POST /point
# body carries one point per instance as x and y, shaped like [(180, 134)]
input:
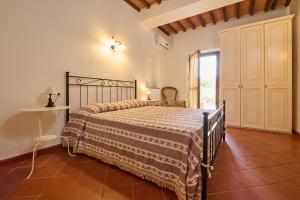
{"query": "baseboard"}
[(295, 132), (258, 129), (25, 155)]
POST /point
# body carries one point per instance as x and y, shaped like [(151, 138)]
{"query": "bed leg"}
[(224, 118), (205, 156)]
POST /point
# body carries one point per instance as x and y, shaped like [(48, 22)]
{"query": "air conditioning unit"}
[(161, 41)]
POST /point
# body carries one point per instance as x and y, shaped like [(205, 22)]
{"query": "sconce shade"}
[(115, 45)]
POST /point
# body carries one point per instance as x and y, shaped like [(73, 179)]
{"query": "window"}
[(209, 83)]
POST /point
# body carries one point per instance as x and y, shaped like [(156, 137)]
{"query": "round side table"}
[(47, 137)]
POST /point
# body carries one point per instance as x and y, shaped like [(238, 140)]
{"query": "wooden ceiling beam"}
[(251, 7), (274, 4), (224, 14), (201, 20), (181, 26), (145, 3), (158, 1), (237, 10), (267, 5), (189, 21), (172, 28), (288, 3), (132, 5), (163, 30), (212, 17)]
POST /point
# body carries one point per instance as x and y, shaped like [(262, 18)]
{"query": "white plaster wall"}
[(41, 39)]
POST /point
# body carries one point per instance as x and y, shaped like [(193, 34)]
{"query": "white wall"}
[(176, 71), (295, 8), (41, 39)]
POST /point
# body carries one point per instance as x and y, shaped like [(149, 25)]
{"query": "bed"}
[(171, 146)]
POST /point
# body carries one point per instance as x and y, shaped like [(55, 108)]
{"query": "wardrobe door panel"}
[(230, 75), (252, 77), (232, 97), (277, 107), (278, 76)]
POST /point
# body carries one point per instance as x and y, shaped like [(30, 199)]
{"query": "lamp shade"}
[(51, 90)]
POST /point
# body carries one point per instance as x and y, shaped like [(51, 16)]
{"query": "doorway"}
[(209, 80)]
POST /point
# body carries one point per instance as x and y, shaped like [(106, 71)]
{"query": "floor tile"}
[(247, 178), (53, 197), (86, 194), (291, 189), (30, 188), (169, 195), (61, 184), (25, 198), (45, 172), (285, 172), (136, 179), (17, 174), (147, 191), (71, 168), (123, 192), (8, 188), (269, 192), (38, 161), (88, 181), (266, 175), (226, 182), (95, 166), (118, 177)]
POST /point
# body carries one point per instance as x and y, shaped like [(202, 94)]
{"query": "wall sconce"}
[(115, 45)]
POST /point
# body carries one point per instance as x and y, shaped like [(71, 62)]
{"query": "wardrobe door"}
[(230, 75), (278, 76), (252, 77)]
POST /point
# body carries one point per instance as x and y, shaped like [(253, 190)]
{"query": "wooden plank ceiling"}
[(138, 5), (214, 16)]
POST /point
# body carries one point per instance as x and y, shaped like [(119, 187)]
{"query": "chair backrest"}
[(169, 94)]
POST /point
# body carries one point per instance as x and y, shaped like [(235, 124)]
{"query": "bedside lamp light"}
[(51, 92), (148, 92)]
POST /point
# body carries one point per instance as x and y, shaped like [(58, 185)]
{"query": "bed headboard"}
[(97, 90)]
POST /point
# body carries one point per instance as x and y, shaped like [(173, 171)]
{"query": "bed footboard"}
[(213, 134)]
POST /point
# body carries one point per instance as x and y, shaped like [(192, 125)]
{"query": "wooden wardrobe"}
[(256, 74)]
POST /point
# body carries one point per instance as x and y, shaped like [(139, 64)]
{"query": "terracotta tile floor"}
[(251, 165)]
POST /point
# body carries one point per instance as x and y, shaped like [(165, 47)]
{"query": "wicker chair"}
[(169, 95)]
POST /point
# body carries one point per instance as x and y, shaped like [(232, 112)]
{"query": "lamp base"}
[(50, 102)]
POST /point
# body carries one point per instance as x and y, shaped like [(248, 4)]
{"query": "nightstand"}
[(47, 137), (154, 102)]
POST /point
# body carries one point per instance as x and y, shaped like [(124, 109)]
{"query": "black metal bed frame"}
[(122, 89), (213, 124)]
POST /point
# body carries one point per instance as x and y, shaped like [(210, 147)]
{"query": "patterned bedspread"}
[(160, 144)]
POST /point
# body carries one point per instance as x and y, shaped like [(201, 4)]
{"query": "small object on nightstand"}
[(51, 92), (153, 102), (148, 92), (49, 137)]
